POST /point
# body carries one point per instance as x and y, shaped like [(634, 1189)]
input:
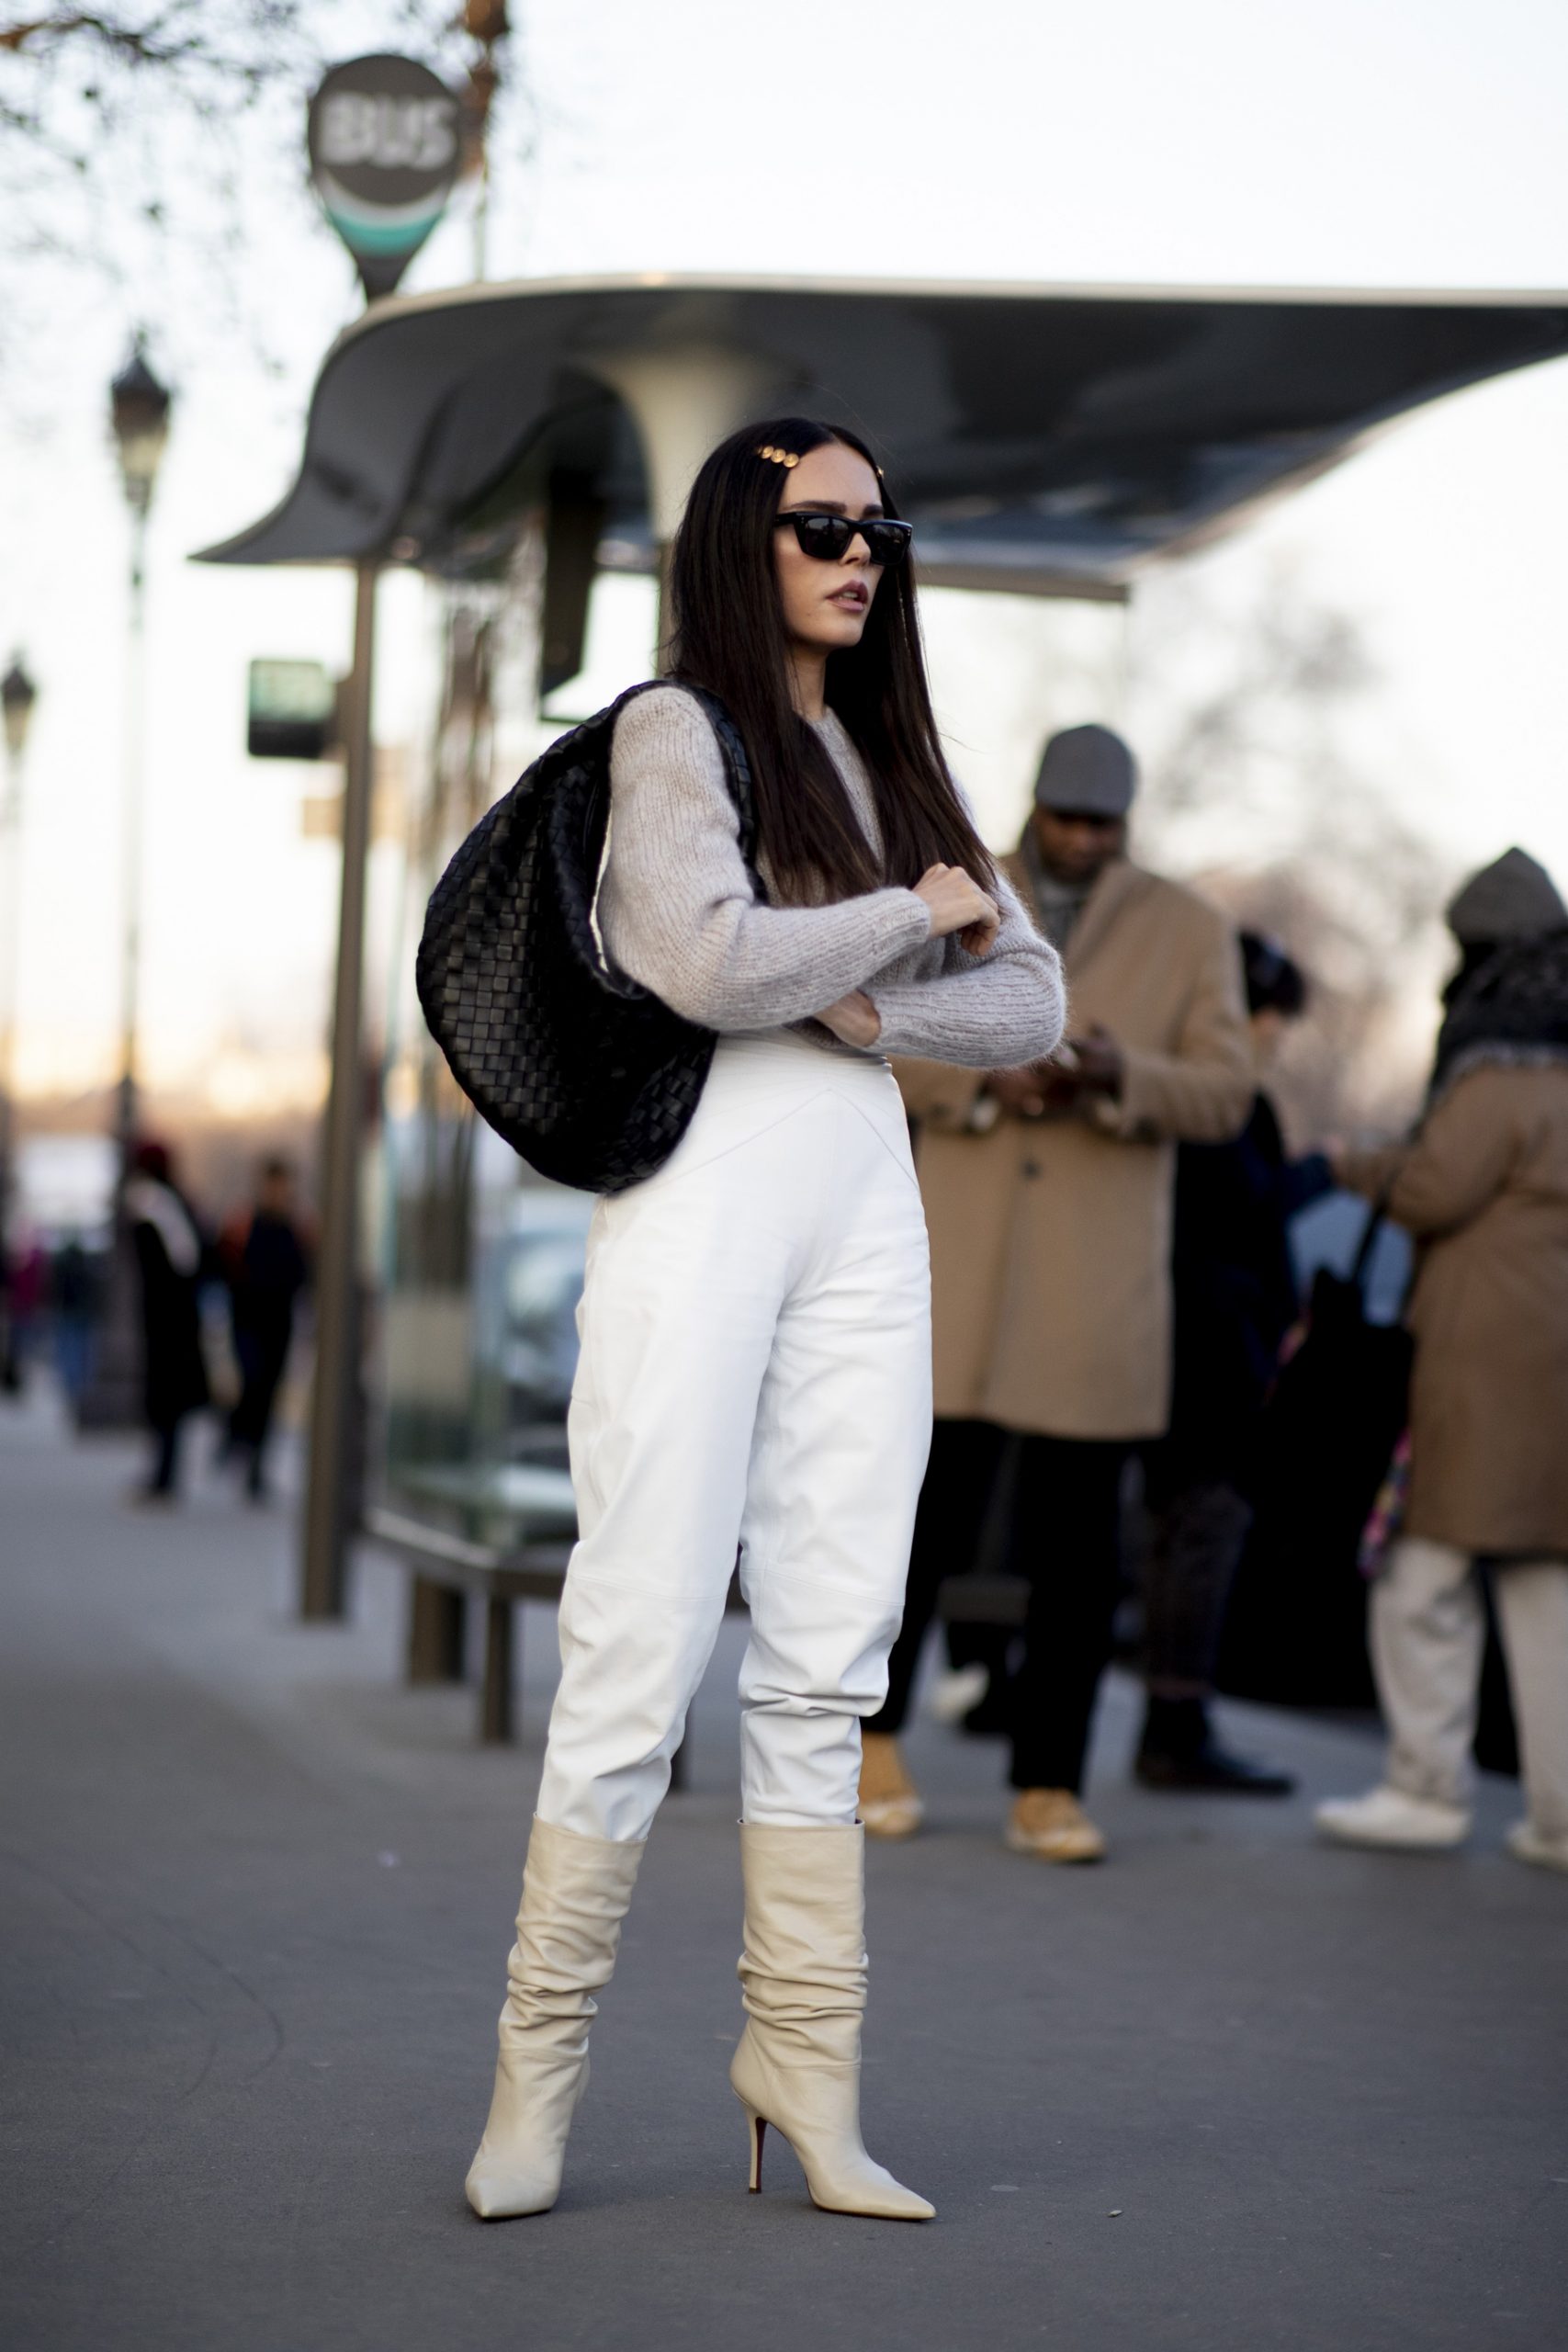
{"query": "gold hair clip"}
[(778, 456)]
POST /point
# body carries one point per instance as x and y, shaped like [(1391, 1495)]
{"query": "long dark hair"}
[(728, 636)]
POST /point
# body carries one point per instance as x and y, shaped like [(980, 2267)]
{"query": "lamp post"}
[(17, 696), (331, 1479), (139, 416), (138, 411), (484, 21)]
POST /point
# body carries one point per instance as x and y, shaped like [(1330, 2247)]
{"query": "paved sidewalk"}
[(1231, 2093)]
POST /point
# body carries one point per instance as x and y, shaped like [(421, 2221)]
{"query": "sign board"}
[(291, 711), (385, 148)]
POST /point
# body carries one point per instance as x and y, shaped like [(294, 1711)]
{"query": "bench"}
[(447, 1570)]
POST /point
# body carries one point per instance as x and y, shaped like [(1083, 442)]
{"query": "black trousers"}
[(164, 1477), (960, 1476), (1066, 1542), (261, 1348), (1199, 1525)]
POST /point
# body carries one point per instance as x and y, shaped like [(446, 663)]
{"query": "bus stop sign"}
[(385, 148)]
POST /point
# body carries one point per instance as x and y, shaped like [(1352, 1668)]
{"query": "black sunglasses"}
[(826, 536)]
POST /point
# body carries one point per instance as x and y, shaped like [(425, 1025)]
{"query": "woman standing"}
[(755, 1371), (1484, 1188), (172, 1261)]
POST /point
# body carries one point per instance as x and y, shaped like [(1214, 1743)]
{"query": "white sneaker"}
[(953, 1693), (1387, 1817), (1529, 1844)]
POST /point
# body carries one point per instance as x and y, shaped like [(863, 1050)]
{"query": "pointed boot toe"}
[(873, 2192), (898, 2203), (497, 2195), (518, 2165)]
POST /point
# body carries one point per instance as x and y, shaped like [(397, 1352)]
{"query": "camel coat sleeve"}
[(1199, 1089), (1447, 1176), (1050, 1238), (1484, 1188)]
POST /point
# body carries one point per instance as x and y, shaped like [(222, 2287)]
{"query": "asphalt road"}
[(1230, 2093)]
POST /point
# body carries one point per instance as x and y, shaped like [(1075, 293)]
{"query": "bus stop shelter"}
[(1053, 440)]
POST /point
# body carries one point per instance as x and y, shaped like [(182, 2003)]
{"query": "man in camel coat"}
[(1048, 1193)]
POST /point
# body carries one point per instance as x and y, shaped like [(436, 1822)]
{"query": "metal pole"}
[(10, 966), (135, 804), (112, 1398), (331, 1496), (481, 214)]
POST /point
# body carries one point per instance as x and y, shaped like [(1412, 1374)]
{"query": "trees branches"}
[(140, 134), (86, 63), (1267, 784)]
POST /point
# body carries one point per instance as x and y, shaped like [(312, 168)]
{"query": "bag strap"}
[(732, 751), (1376, 1217), (737, 775)]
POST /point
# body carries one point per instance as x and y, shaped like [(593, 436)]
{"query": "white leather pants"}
[(755, 1374)]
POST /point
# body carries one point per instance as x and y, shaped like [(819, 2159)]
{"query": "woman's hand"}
[(957, 904), (854, 1020), (1019, 1092)]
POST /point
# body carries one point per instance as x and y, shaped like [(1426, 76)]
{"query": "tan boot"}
[(575, 1893), (803, 1972), (1052, 1825), (889, 1801)]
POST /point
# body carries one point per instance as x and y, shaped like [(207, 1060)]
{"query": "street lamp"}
[(139, 416), (17, 696), (139, 412)]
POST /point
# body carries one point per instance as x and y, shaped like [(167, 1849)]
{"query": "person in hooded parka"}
[(1484, 1188)]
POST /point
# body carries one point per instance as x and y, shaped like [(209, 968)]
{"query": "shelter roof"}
[(1052, 439)]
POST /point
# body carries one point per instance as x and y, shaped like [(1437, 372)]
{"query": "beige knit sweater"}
[(677, 912)]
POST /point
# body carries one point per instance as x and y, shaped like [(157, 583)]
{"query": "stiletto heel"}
[(756, 2126)]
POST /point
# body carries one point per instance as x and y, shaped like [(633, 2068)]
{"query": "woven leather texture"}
[(590, 1077)]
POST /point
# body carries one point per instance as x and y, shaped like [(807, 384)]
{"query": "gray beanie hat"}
[(1088, 772), (1512, 898)]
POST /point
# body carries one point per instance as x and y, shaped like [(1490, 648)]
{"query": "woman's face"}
[(825, 604)]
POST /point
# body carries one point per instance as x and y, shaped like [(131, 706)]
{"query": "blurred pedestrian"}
[(1483, 1189), (265, 1257), (1236, 1299), (74, 1297), (10, 1354), (1048, 1195), (171, 1259), (28, 1279)]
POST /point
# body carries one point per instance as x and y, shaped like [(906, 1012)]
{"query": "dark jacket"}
[(266, 1266), (1235, 1286), (174, 1372)]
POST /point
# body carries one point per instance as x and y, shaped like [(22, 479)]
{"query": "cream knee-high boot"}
[(803, 1974), (575, 1894)]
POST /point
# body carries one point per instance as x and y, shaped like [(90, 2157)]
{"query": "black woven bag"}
[(591, 1078)]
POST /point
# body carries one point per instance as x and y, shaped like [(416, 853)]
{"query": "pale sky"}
[(1232, 141)]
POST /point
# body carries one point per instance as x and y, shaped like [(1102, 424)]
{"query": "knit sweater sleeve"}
[(984, 1011), (677, 908)]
